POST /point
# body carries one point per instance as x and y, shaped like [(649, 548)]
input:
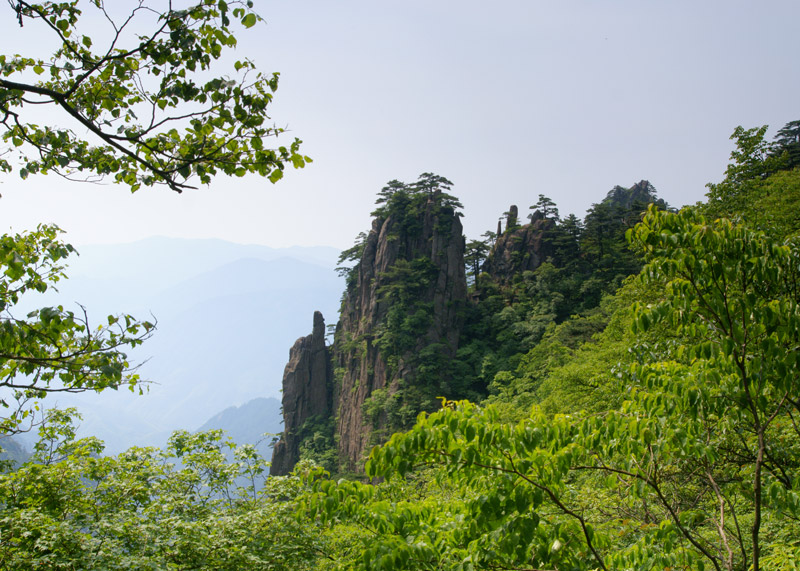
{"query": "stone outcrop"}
[(361, 365), (642, 193), (520, 248), (306, 393), (421, 249), (402, 315)]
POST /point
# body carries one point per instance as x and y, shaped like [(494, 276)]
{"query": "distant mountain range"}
[(255, 422), (227, 316)]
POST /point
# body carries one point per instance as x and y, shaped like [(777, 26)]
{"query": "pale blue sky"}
[(507, 99)]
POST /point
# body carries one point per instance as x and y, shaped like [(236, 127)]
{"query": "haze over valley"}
[(226, 313)]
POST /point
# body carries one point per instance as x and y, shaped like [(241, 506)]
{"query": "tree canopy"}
[(761, 180), (201, 503), (142, 82), (696, 469)]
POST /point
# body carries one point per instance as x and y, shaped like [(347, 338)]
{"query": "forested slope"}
[(411, 331), (657, 428), (632, 405)]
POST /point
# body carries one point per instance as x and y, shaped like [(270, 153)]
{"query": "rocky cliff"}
[(398, 330), (405, 313), (307, 393), (520, 248), (635, 197), (403, 305)]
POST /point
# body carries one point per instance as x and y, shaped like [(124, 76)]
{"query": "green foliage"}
[(150, 509), (511, 321), (603, 242), (759, 182), (52, 349), (545, 207), (776, 209), (697, 468), (475, 252), (408, 317), (352, 256), (318, 443), (386, 412), (574, 366), (787, 144), (407, 202), (581, 263), (745, 170), (571, 367), (155, 111), (734, 293), (566, 241)]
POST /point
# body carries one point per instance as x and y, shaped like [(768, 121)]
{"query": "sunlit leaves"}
[(697, 469), (734, 293), (187, 506), (152, 121)]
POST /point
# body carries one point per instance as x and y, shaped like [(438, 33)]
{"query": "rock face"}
[(641, 193), (306, 393), (520, 248), (362, 367), (399, 327)]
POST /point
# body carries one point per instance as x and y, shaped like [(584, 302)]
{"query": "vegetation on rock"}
[(617, 392), (657, 430)]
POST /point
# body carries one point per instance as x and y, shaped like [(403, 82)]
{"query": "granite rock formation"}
[(404, 303), (361, 365), (520, 248), (306, 394), (636, 197)]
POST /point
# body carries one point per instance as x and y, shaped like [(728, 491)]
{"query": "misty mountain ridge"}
[(226, 316), (251, 423)]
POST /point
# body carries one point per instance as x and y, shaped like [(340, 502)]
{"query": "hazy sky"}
[(507, 99)]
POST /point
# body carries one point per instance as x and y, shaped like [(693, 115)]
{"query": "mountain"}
[(401, 319), (252, 423), (160, 259), (13, 451), (225, 314), (410, 332)]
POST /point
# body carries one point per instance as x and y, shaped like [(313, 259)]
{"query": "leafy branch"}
[(220, 124)]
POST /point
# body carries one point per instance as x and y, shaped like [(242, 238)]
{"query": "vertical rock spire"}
[(306, 393)]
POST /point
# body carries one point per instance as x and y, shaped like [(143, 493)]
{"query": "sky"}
[(507, 99)]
